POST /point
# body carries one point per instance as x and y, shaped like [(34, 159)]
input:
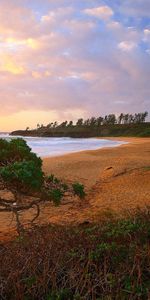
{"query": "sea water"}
[(47, 146)]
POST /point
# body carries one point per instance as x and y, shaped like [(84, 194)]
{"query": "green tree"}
[(70, 124), (38, 126), (63, 124), (20, 169), (121, 118), (110, 119), (22, 176), (79, 122), (99, 121), (93, 122)]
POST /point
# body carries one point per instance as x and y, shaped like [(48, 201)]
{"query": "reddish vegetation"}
[(109, 260)]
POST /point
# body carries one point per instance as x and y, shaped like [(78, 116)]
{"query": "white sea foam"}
[(58, 146)]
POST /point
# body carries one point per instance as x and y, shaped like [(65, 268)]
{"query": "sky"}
[(66, 59)]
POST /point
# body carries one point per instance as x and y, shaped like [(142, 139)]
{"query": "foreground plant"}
[(107, 260), (78, 189), (23, 176), (21, 173)]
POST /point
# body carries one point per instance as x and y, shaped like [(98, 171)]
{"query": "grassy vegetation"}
[(110, 125), (112, 130), (78, 189), (109, 260)]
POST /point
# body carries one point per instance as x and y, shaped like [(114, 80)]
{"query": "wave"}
[(58, 146)]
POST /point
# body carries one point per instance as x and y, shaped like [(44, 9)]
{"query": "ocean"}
[(44, 147)]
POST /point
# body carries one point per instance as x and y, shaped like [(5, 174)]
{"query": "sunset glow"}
[(69, 59)]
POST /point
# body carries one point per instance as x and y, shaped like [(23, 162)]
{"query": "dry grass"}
[(109, 260)]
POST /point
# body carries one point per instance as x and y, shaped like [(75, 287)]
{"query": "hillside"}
[(137, 130)]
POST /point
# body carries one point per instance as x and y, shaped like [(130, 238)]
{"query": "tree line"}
[(110, 119)]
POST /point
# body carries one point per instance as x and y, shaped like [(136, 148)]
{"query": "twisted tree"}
[(21, 173)]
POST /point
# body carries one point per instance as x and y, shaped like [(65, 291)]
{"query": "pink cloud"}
[(102, 12), (66, 60)]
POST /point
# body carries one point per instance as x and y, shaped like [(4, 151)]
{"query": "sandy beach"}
[(86, 166), (116, 180)]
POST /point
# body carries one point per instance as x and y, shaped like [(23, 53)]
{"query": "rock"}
[(108, 168), (86, 222)]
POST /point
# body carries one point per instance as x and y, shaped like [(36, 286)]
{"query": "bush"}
[(20, 169), (56, 196), (23, 176), (61, 295), (78, 189), (53, 179), (79, 262), (65, 187), (145, 133), (16, 150)]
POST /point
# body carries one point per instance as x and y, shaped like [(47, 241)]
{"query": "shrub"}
[(145, 132), (65, 187), (78, 189), (20, 169), (23, 176), (56, 195), (53, 179), (79, 262), (50, 178), (16, 150), (61, 295)]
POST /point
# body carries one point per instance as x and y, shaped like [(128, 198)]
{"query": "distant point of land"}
[(127, 125)]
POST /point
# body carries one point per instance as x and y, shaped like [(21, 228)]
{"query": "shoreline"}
[(81, 151), (126, 140), (83, 144), (86, 165), (116, 180), (64, 155)]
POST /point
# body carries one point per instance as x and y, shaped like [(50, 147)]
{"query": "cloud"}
[(102, 12), (147, 32), (146, 35), (58, 57), (136, 8), (58, 13), (8, 64), (127, 46)]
